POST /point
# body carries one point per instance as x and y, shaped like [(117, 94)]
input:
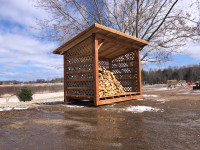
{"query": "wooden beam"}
[(79, 56), (80, 97), (110, 65), (135, 52), (79, 72), (79, 64), (95, 68), (125, 94), (119, 99), (79, 88), (100, 44), (113, 68), (139, 74), (117, 42), (80, 79), (65, 80), (127, 61)]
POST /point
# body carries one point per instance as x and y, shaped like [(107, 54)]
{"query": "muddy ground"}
[(174, 125)]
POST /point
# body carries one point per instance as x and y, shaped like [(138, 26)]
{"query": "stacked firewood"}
[(172, 83), (108, 84)]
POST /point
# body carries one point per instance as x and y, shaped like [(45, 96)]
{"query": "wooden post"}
[(110, 65), (65, 80), (95, 68), (139, 74)]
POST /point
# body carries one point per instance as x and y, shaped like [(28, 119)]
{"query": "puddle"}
[(189, 123), (136, 109)]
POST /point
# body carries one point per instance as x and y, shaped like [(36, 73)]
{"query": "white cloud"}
[(22, 51), (23, 56), (191, 49), (22, 12)]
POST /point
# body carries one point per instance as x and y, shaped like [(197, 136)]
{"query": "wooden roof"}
[(114, 41)]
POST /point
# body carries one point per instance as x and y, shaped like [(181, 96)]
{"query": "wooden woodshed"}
[(99, 46)]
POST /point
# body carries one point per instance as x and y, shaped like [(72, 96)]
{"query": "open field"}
[(36, 88), (164, 119)]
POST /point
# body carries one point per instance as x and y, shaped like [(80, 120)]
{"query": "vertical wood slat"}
[(65, 80), (139, 74), (132, 74), (95, 69)]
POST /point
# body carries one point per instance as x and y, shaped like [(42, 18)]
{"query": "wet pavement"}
[(176, 125)]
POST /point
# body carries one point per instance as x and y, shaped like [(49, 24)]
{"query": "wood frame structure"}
[(99, 46)]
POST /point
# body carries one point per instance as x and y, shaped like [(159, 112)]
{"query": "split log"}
[(108, 84)]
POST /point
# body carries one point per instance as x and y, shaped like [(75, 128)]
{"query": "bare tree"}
[(166, 24)]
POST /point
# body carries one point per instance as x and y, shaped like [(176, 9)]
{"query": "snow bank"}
[(47, 95), (6, 109), (149, 95), (162, 100), (12, 99)]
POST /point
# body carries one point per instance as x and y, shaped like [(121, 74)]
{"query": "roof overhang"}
[(103, 33)]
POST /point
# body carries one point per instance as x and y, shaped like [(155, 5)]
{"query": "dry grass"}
[(36, 88)]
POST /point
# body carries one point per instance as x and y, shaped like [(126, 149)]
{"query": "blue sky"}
[(25, 57)]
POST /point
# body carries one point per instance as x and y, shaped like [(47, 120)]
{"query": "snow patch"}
[(74, 106), (162, 89), (140, 99), (47, 95), (6, 109), (22, 108), (11, 108), (162, 100), (149, 95), (140, 109), (135, 109)]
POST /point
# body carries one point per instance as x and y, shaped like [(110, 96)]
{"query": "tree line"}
[(188, 73)]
